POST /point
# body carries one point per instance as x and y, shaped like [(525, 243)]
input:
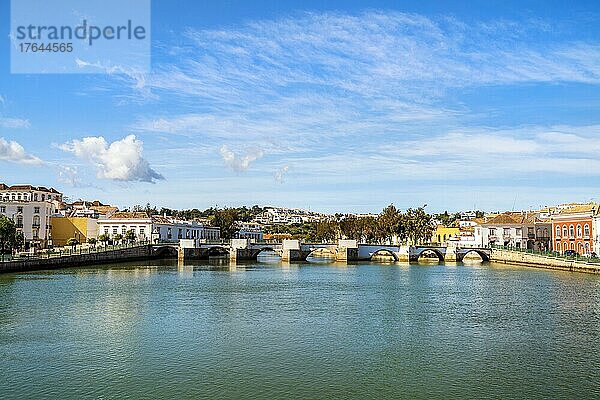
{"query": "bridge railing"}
[(551, 254), (71, 251)]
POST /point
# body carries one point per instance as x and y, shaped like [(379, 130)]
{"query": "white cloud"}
[(280, 173), (2, 100), (69, 176), (239, 163), (120, 161), (13, 151), (14, 123)]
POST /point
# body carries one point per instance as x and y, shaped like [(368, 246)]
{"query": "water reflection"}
[(282, 330)]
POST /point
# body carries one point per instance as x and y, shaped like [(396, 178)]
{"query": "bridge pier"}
[(450, 255), (347, 254), (288, 255)]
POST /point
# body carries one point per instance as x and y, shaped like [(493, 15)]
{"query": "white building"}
[(523, 230), (155, 228), (249, 230), (31, 207), (280, 215)]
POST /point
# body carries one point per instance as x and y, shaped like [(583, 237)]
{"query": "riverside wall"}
[(102, 257), (541, 261)]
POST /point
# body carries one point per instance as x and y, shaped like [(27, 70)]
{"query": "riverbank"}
[(136, 253), (543, 261)]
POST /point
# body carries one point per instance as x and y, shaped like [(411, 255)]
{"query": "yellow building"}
[(80, 228), (443, 233)]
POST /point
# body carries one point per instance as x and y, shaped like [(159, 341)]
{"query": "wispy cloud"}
[(14, 123), (13, 151), (120, 160), (371, 97), (280, 173), (316, 77)]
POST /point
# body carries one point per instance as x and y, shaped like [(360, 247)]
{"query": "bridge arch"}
[(257, 252), (484, 256), (164, 251), (382, 252), (436, 252), (323, 252), (217, 251)]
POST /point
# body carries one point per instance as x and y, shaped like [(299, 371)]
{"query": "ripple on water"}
[(305, 331)]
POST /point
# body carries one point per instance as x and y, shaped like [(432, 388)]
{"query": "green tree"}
[(8, 235), (350, 228), (419, 225), (92, 241), (391, 224), (326, 230), (72, 242), (130, 236), (226, 220), (104, 238), (118, 237)]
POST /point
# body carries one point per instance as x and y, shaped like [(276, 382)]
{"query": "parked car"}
[(571, 253), (591, 255)]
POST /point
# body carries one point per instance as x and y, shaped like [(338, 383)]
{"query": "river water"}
[(308, 331)]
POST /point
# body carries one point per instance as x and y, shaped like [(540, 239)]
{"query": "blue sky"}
[(336, 106)]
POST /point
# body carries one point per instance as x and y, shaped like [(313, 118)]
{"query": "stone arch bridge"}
[(292, 250)]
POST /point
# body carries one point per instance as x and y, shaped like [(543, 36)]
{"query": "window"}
[(492, 232), (578, 231), (36, 221), (572, 232), (123, 230), (19, 209), (506, 231), (169, 233), (519, 231), (587, 247), (36, 210), (106, 231), (572, 246), (557, 231), (530, 231), (19, 221), (565, 233), (115, 230), (2, 209), (586, 230)]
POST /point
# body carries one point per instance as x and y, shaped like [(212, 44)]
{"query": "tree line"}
[(391, 225)]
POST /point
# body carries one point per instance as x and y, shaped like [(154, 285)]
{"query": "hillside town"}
[(43, 219)]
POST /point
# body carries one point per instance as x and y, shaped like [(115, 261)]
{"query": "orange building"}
[(572, 228)]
